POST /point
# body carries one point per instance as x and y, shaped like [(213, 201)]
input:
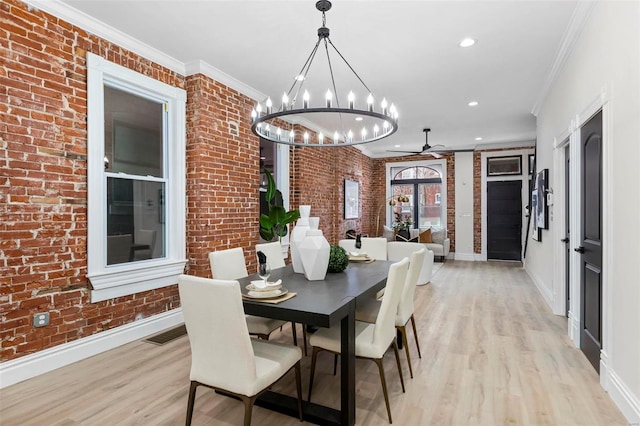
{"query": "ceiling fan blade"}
[(434, 154), (406, 152)]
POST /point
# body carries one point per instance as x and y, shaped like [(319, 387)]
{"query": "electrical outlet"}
[(41, 320)]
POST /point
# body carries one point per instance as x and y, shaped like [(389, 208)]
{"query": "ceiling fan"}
[(426, 149)]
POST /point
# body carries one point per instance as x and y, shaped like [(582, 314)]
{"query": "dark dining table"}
[(328, 303)]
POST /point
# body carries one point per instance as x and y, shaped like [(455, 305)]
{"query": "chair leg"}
[(294, 332), (304, 337), (192, 399), (314, 355), (395, 349), (415, 334), (384, 386), (299, 388), (248, 408), (403, 332)]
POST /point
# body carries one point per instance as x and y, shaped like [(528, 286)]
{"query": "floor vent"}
[(168, 336)]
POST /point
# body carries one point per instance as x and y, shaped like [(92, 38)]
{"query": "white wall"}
[(603, 70), (464, 206)]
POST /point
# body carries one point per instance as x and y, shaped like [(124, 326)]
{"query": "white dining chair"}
[(229, 264), (372, 340), (368, 312), (223, 356), (375, 247), (273, 251)]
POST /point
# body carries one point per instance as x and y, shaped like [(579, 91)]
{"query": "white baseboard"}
[(465, 256), (544, 291), (41, 362), (627, 402), (573, 325)]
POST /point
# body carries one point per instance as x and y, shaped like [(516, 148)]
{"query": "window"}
[(424, 184), (136, 187)]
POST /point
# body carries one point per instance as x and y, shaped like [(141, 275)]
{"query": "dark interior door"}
[(504, 220), (591, 241)]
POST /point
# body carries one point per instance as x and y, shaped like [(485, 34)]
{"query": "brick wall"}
[(43, 146)]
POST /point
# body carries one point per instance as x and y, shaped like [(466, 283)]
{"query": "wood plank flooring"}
[(492, 353)]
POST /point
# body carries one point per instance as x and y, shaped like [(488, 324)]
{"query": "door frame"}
[(522, 225), (602, 102), (524, 177)]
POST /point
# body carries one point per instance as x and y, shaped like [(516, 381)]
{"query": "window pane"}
[(135, 220), (430, 211), (133, 139)]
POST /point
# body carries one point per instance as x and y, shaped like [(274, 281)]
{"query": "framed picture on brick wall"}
[(351, 199)]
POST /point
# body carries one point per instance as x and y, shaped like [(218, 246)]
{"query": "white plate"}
[(267, 294), (271, 286)]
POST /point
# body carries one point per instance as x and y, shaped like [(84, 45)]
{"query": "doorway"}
[(590, 248), (504, 220)]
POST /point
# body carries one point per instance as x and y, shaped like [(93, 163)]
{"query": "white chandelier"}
[(344, 126)]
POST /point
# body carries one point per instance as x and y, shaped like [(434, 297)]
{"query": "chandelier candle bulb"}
[(305, 100), (285, 102), (269, 106), (364, 134), (258, 110), (383, 105), (336, 138), (328, 97), (306, 137), (352, 99), (291, 136), (385, 126), (279, 133), (320, 138), (254, 114), (370, 102), (267, 129), (376, 129), (350, 136)]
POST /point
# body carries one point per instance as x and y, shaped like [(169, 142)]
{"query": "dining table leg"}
[(348, 366)]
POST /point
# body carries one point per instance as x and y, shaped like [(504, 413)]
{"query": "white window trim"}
[(130, 278), (440, 165)]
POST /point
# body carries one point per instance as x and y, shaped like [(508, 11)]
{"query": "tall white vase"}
[(298, 234), (314, 253)]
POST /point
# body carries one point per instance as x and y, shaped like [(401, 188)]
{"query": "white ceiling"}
[(406, 51)]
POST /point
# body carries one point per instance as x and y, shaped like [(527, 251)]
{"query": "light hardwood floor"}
[(492, 353)]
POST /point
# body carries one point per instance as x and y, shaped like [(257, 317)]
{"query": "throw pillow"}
[(388, 233), (401, 238), (438, 237), (425, 237)]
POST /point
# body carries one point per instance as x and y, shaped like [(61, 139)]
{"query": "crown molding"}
[(102, 30), (201, 67), (571, 35)]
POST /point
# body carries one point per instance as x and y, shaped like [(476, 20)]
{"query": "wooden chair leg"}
[(299, 388), (395, 349), (314, 355), (304, 336), (415, 334), (403, 332), (248, 408), (192, 399), (384, 386), (294, 332)]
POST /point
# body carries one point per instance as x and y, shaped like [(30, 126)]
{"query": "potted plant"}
[(274, 225), (402, 221)]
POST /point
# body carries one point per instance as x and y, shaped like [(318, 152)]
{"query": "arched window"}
[(422, 185)]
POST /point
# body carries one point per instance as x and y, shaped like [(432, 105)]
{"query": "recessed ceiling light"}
[(478, 138), (358, 118), (473, 103), (467, 42), (396, 146)]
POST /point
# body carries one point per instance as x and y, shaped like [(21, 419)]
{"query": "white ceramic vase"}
[(314, 254), (298, 234)]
